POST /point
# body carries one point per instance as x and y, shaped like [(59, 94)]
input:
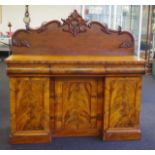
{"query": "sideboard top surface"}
[(77, 59)]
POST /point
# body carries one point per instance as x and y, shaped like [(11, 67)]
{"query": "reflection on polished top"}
[(71, 59)]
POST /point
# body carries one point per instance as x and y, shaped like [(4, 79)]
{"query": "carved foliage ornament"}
[(125, 44), (74, 24), (20, 43)]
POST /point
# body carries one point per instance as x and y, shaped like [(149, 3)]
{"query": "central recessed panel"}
[(78, 106)]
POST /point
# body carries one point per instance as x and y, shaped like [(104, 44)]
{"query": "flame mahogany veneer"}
[(74, 78)]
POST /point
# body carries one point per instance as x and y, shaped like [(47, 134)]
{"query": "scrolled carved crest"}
[(52, 36), (75, 24)]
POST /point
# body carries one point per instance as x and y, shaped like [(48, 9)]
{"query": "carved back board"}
[(74, 36)]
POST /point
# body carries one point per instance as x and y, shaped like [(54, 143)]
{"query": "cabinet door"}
[(78, 106), (29, 106), (122, 107)]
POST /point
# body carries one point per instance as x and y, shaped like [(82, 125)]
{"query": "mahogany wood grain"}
[(12, 59), (29, 106), (56, 65), (122, 134), (121, 106), (78, 104), (74, 36), (74, 79)]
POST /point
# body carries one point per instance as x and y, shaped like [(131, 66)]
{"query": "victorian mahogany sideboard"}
[(74, 79)]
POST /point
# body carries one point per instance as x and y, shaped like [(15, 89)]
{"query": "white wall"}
[(38, 14)]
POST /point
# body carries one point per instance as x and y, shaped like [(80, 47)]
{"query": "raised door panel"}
[(78, 105), (122, 105), (29, 105)]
